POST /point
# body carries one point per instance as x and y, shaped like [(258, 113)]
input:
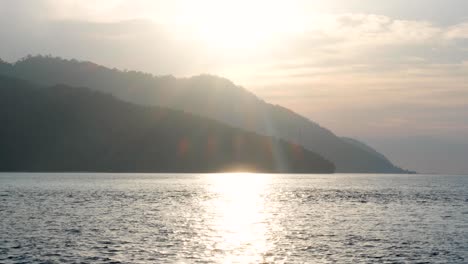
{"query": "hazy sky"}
[(363, 68)]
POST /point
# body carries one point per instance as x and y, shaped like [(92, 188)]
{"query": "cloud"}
[(459, 31), (356, 73), (377, 29), (367, 43), (131, 44)]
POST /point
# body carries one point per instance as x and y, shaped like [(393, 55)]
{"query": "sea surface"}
[(233, 218)]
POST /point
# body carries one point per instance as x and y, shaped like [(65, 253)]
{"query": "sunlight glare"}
[(246, 25), (240, 216)]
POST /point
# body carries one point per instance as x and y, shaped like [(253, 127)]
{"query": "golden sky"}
[(361, 68)]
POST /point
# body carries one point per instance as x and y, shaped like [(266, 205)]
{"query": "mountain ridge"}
[(75, 129), (207, 96)]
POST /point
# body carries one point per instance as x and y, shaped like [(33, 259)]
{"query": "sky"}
[(376, 70)]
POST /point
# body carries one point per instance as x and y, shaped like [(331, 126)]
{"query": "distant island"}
[(203, 98), (69, 129)]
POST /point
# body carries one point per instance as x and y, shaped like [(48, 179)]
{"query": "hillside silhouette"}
[(207, 96), (63, 128), (371, 150)]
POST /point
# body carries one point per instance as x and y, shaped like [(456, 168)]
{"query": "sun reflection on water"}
[(238, 219)]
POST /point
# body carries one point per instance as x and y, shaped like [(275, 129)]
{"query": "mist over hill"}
[(63, 128), (207, 96)]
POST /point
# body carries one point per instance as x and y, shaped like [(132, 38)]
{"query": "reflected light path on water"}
[(239, 221), (233, 218)]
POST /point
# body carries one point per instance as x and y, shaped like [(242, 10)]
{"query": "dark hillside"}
[(62, 128), (208, 96)]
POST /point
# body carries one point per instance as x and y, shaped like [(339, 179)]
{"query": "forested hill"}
[(63, 128), (207, 96)]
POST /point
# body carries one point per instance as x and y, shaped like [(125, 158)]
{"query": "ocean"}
[(232, 218)]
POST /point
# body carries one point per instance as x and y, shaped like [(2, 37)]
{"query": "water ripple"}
[(89, 218)]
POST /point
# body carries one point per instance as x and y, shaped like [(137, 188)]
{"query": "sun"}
[(241, 24)]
